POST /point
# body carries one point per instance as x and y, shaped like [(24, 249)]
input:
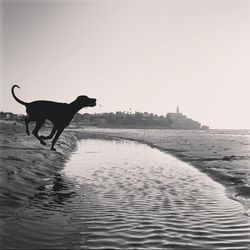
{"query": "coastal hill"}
[(138, 120), (180, 121), (125, 120)]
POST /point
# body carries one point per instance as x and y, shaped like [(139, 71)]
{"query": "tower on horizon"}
[(177, 110)]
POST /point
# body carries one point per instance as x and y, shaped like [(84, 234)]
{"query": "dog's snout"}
[(94, 101)]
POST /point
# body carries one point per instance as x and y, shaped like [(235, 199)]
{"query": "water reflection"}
[(55, 193)]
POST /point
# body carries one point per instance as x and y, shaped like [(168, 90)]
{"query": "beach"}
[(125, 189)]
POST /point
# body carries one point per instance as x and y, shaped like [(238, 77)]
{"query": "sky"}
[(138, 55)]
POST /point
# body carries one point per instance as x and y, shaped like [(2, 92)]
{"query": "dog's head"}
[(84, 101)]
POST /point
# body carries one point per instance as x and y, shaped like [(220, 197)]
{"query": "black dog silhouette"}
[(60, 114)]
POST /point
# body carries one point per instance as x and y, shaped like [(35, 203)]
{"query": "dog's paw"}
[(43, 143)]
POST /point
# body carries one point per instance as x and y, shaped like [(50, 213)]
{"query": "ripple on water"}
[(120, 195)]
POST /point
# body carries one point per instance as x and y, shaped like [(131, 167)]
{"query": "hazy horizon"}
[(145, 56)]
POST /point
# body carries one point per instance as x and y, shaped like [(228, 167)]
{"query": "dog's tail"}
[(17, 99)]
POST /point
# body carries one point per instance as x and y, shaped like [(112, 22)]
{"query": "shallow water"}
[(223, 154), (116, 194)]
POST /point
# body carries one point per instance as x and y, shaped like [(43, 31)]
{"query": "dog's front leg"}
[(58, 133)]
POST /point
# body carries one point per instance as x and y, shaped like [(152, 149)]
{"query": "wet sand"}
[(26, 164)]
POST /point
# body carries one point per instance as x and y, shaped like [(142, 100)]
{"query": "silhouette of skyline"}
[(131, 55)]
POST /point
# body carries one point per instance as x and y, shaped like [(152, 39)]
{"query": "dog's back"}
[(47, 110)]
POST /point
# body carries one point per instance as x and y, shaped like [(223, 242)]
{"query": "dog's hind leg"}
[(58, 133), (36, 129), (50, 136), (27, 120)]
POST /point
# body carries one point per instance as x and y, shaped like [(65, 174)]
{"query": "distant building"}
[(180, 121)]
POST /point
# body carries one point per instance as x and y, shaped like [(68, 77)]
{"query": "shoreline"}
[(234, 188)]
